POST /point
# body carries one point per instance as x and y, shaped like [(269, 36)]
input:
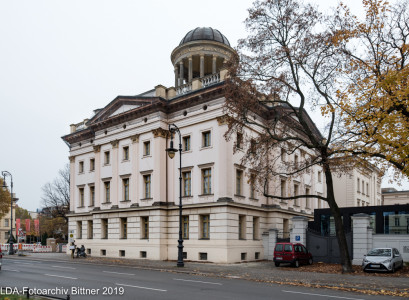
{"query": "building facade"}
[(125, 189), (5, 224), (391, 196), (360, 186)]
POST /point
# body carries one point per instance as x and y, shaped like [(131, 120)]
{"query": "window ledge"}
[(146, 156), (106, 202), (91, 171), (206, 195), (204, 239), (126, 160), (125, 201), (187, 151), (90, 205), (239, 196), (106, 165), (254, 199), (147, 199), (81, 206), (190, 196), (207, 147)]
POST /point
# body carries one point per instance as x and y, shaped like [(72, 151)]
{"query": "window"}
[(367, 189), (205, 226), (147, 185), (187, 183), (104, 228), (107, 188), (92, 195), (363, 187), (79, 229), (106, 158), (92, 164), (185, 223), (307, 200), (186, 143), (252, 186), (207, 181), (242, 227), (81, 167), (282, 154), (296, 200), (358, 185), (81, 196), (125, 184), (296, 161), (6, 223), (90, 230), (397, 222), (6, 235), (239, 182), (124, 228), (206, 139), (125, 153), (145, 227), (147, 148), (239, 140), (319, 176), (283, 188), (256, 226)]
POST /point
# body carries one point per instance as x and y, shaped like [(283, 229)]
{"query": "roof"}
[(205, 33)]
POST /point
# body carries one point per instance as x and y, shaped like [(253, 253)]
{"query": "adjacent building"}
[(391, 196), (125, 189)]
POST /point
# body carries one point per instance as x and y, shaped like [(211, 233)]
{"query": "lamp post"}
[(11, 238), (171, 152)]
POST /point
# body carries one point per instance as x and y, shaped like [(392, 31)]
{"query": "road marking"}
[(198, 281), (11, 270), (60, 276), (329, 296), (64, 267), (141, 287), (21, 263), (119, 273)]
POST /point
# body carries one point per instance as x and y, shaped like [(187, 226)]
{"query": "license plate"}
[(375, 266), (279, 258)]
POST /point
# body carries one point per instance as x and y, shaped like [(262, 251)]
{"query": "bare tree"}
[(56, 195), (285, 64)]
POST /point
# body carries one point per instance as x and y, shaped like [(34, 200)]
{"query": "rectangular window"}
[(81, 167), (107, 187), (283, 188), (296, 200), (307, 200), (205, 226), (91, 195), (81, 196), (124, 228), (282, 154), (256, 226), (358, 185), (92, 164), (367, 189), (363, 187), (90, 230), (319, 176), (206, 139), (239, 182), (6, 223), (106, 158), (147, 186), (252, 186), (125, 185), (242, 227), (207, 181), (296, 161), (185, 223), (145, 227), (147, 148), (125, 153), (104, 228), (186, 143), (239, 140), (187, 183), (79, 229)]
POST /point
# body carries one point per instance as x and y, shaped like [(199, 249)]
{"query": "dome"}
[(205, 33)]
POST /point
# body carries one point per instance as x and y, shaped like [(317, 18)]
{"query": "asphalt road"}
[(90, 281)]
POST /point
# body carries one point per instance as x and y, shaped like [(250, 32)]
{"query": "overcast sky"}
[(60, 60)]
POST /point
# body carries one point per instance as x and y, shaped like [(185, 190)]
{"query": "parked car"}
[(293, 253), (382, 259)]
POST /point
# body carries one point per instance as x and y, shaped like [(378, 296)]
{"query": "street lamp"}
[(11, 238), (171, 153)]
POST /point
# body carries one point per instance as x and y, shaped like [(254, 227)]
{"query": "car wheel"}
[(296, 264), (393, 268), (277, 264), (310, 261)]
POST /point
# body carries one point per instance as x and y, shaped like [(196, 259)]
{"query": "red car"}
[(293, 253)]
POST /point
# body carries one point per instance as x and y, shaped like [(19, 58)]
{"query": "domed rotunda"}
[(201, 54)]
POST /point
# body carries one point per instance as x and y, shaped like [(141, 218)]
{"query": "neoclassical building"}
[(125, 188)]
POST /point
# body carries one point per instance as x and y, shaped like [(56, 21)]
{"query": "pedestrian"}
[(72, 248)]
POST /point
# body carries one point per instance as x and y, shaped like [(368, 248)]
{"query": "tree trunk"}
[(339, 227)]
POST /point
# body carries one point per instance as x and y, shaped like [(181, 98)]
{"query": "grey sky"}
[(60, 60)]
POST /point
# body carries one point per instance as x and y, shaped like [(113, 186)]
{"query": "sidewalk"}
[(264, 271)]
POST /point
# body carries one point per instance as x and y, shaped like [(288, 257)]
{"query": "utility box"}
[(52, 242)]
